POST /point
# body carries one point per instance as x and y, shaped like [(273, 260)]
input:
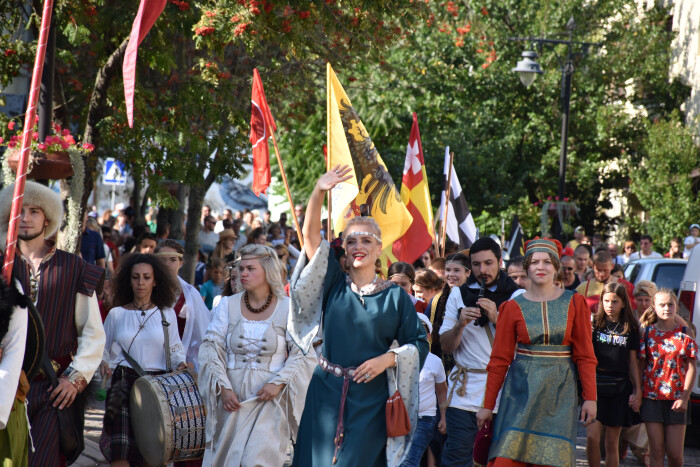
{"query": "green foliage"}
[(453, 67), (664, 185), (448, 61)]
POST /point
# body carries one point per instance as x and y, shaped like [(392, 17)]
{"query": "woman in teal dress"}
[(361, 315), (549, 331)]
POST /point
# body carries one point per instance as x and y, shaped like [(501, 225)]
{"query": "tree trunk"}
[(194, 208), (96, 111), (139, 216), (178, 218)]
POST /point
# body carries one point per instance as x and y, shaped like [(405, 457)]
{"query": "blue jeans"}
[(461, 432), (421, 439)]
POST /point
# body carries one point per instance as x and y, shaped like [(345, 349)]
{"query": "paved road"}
[(93, 457)]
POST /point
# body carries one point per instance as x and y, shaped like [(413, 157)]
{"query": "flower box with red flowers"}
[(49, 159)]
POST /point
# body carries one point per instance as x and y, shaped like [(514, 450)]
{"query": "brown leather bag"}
[(397, 421)]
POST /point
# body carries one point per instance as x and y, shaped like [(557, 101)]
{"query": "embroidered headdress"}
[(545, 245)]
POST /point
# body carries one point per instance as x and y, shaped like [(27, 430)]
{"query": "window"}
[(669, 275)]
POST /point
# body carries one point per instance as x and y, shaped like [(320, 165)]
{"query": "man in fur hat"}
[(62, 286)]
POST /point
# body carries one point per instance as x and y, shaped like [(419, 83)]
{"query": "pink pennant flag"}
[(149, 11)]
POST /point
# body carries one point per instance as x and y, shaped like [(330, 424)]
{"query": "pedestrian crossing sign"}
[(113, 173)]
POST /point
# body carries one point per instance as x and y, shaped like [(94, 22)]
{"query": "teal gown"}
[(352, 334)]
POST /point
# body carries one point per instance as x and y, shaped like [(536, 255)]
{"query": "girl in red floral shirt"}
[(667, 355)]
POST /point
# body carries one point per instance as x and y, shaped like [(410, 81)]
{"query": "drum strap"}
[(134, 364), (166, 337)]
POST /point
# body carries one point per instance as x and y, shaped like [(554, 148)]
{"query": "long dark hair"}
[(164, 292), (627, 318)]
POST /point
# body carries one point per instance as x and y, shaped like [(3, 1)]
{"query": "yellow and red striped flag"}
[(350, 144), (416, 197)]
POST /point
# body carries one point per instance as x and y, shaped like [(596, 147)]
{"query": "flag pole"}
[(329, 222), (286, 188), (447, 202), (29, 120)]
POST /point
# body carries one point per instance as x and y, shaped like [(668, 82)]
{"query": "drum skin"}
[(168, 418)]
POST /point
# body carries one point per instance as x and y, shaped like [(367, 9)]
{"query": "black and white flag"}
[(516, 244), (460, 223)]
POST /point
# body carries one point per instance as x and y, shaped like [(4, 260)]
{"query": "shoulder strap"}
[(433, 306), (585, 294), (179, 304), (489, 333), (165, 323), (646, 342), (134, 364)]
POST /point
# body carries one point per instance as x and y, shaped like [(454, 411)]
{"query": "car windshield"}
[(631, 272)]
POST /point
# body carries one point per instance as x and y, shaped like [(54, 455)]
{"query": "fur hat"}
[(35, 194)]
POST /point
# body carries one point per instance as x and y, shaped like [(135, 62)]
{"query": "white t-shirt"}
[(432, 373), (208, 238), (622, 259), (689, 243), (475, 355), (640, 255)]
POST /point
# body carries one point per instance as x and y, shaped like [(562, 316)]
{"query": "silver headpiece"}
[(364, 232)]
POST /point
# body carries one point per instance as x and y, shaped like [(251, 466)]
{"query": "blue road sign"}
[(113, 173)]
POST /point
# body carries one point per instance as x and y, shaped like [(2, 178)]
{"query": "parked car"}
[(664, 272), (690, 307)]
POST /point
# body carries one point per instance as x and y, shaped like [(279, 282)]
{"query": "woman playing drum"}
[(143, 292), (253, 378)]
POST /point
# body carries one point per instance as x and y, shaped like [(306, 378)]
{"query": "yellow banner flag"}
[(350, 144)]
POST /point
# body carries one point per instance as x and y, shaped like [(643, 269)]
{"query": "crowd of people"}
[(300, 345)]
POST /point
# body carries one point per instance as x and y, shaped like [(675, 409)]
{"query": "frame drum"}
[(168, 418)]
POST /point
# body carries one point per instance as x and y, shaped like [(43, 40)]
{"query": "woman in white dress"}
[(143, 291), (253, 378)]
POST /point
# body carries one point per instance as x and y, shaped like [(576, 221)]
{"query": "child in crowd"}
[(667, 354), (215, 284), (691, 240), (615, 342), (433, 393)]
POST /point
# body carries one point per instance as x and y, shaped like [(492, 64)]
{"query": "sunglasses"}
[(568, 269)]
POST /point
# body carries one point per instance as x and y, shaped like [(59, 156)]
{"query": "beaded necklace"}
[(256, 310)]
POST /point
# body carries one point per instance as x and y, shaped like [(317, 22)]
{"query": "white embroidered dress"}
[(243, 355)]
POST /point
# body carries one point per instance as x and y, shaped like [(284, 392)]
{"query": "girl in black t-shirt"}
[(615, 341)]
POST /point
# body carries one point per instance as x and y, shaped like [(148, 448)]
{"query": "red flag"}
[(261, 127), (149, 11), (415, 195)]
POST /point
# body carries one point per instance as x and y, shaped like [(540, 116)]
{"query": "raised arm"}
[(312, 220)]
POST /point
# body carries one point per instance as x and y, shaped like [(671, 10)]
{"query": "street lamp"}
[(528, 69)]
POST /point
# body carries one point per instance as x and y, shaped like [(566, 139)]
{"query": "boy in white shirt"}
[(691, 240), (432, 391)]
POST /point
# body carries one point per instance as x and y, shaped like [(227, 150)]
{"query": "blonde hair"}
[(270, 264), (649, 316), (368, 221)]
